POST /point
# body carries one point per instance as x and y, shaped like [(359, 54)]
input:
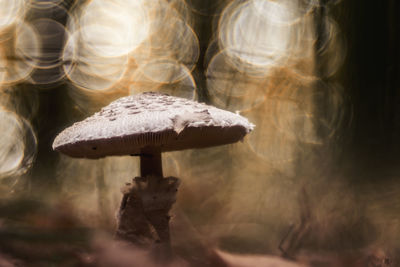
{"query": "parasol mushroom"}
[(146, 125)]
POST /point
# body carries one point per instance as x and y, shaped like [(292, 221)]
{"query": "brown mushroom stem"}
[(156, 196), (150, 162), (151, 169), (132, 223)]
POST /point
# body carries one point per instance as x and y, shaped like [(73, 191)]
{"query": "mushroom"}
[(146, 125)]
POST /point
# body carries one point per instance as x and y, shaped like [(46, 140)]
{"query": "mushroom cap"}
[(132, 123)]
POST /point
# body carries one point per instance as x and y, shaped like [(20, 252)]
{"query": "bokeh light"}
[(10, 12), (18, 144), (111, 28)]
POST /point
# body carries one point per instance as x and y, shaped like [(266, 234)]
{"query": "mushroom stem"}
[(144, 212), (150, 162)]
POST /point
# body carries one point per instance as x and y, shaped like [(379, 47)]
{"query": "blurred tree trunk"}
[(54, 107)]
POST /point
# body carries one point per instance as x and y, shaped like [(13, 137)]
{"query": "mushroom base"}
[(143, 218)]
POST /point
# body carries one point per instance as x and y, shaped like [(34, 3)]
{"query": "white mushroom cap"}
[(151, 120)]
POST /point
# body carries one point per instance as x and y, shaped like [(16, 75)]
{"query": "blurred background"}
[(318, 78)]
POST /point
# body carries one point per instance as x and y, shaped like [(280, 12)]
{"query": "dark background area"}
[(371, 76)]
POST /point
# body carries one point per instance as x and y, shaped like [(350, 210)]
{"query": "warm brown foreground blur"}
[(317, 183)]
